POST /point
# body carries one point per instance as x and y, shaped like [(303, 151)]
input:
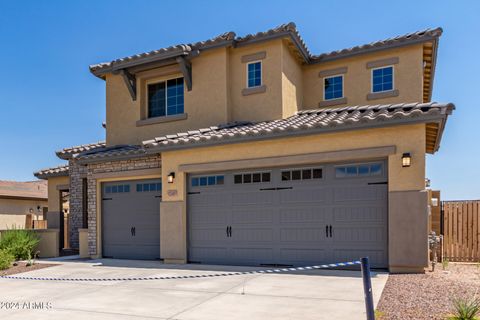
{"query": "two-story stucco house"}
[(253, 151)]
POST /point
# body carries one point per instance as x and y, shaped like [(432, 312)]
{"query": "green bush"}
[(19, 242), (6, 259), (465, 309)]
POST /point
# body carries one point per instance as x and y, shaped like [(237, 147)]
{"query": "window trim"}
[(343, 86), (261, 74), (393, 79), (147, 106)]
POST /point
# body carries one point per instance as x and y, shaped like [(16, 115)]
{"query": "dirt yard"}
[(22, 267), (429, 295)]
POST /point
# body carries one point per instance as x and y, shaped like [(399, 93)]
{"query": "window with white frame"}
[(382, 79), (254, 74), (165, 98), (333, 87)]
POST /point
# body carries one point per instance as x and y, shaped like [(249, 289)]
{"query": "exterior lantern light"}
[(171, 177), (406, 160)]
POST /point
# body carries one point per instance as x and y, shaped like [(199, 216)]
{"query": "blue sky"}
[(49, 100)]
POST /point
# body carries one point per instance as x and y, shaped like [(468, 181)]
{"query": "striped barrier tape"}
[(267, 271)]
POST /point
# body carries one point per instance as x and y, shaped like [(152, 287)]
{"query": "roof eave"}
[(278, 35), (316, 60), (442, 124), (290, 133), (116, 66)]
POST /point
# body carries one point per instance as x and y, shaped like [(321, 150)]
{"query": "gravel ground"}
[(22, 267), (429, 295)]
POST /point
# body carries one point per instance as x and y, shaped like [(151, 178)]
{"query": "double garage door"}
[(289, 216), (131, 219)]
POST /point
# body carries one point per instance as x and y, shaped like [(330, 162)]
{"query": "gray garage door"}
[(289, 216), (131, 219)]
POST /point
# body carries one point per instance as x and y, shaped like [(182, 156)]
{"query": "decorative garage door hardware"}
[(267, 271), (328, 231), (229, 231)]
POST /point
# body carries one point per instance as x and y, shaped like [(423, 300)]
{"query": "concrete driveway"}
[(322, 294)]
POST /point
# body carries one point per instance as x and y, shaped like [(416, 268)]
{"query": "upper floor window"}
[(382, 79), (165, 98), (254, 74), (333, 87)]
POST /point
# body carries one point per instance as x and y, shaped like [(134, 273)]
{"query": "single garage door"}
[(290, 216), (131, 219)]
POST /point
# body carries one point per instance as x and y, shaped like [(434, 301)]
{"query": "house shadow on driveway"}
[(352, 272)]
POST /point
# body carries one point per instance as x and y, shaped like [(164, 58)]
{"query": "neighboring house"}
[(253, 151), (22, 204)]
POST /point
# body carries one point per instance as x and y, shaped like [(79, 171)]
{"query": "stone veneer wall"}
[(111, 166), (77, 173)]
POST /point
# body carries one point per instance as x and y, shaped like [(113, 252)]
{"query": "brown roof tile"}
[(58, 171), (67, 153), (28, 190), (285, 30), (307, 122)]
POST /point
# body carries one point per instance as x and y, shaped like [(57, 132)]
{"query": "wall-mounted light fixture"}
[(31, 210), (406, 160), (171, 177)]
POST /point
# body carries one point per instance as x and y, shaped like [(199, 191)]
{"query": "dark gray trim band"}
[(249, 91), (254, 57), (156, 120), (383, 62), (333, 102), (332, 72), (381, 95)]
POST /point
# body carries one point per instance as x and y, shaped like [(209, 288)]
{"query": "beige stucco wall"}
[(407, 138), (260, 106), (13, 212), (292, 83), (48, 246), (205, 104), (219, 76), (54, 193), (408, 77)]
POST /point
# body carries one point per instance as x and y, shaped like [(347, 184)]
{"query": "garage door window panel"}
[(207, 181), (301, 174), (253, 177), (359, 170)]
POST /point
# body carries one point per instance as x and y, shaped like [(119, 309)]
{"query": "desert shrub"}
[(465, 309), (19, 242), (6, 259)]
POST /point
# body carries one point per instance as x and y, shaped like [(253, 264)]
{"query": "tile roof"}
[(46, 173), (110, 152), (409, 38), (307, 122), (68, 153), (24, 190), (227, 38), (285, 30)]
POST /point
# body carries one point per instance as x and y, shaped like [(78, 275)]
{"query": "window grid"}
[(382, 79), (254, 177), (166, 98), (360, 170), (254, 76), (302, 174), (333, 87), (207, 181), (149, 187), (119, 188)]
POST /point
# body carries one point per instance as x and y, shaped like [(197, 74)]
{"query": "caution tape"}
[(267, 271)]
